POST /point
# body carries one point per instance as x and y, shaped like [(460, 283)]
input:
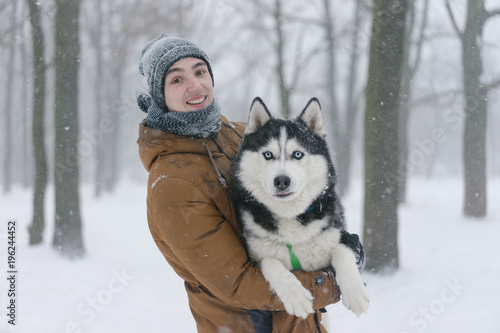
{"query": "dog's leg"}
[(297, 300), (354, 293)]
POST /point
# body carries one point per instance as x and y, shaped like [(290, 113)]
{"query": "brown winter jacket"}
[(193, 223)]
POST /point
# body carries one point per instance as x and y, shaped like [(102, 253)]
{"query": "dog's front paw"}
[(356, 298), (298, 301)]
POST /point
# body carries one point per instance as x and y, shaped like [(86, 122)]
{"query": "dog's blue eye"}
[(298, 155), (268, 155)]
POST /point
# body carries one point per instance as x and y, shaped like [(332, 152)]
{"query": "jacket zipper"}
[(221, 178)]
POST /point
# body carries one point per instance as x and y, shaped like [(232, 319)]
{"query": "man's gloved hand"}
[(353, 242)]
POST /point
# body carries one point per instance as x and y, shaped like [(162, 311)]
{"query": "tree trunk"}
[(409, 71), (333, 107), (404, 107), (280, 46), (99, 145), (7, 154), (352, 107), (474, 137), (381, 135), (342, 124), (38, 132), (68, 225), (115, 108), (26, 162)]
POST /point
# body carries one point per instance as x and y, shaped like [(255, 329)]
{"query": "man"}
[(187, 147)]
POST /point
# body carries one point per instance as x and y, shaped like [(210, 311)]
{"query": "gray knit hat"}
[(157, 57)]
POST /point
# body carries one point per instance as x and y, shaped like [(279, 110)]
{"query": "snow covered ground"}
[(448, 281)]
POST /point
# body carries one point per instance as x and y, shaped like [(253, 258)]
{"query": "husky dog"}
[(284, 195)]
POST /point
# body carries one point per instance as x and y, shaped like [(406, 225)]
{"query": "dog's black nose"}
[(282, 182)]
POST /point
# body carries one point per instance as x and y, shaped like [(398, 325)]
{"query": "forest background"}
[(437, 119)]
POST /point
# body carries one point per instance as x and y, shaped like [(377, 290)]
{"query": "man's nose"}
[(193, 84)]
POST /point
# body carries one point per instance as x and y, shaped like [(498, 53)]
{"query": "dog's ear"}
[(258, 117), (311, 116)]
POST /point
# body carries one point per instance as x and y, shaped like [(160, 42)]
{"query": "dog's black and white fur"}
[(284, 194)]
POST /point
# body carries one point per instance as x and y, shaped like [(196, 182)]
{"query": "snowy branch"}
[(421, 39), (453, 21), (493, 12), (437, 96), (452, 92), (492, 85)]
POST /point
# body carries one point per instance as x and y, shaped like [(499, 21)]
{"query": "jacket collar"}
[(153, 143)]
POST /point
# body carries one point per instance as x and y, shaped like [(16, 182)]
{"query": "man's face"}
[(188, 86)]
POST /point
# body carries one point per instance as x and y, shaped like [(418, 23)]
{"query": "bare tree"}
[(331, 87), (119, 33), (38, 132), (7, 176), (287, 71), (280, 67), (68, 237), (476, 106), (409, 69), (97, 33), (25, 73), (111, 36), (342, 122), (381, 134)]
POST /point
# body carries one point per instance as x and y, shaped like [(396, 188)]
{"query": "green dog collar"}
[(293, 258)]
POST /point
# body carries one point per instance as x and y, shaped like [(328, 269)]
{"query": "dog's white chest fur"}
[(311, 245)]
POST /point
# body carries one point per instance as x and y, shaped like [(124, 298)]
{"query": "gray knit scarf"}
[(197, 124)]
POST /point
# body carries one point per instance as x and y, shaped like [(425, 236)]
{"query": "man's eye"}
[(201, 72), (268, 155), (298, 155), (175, 80)]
